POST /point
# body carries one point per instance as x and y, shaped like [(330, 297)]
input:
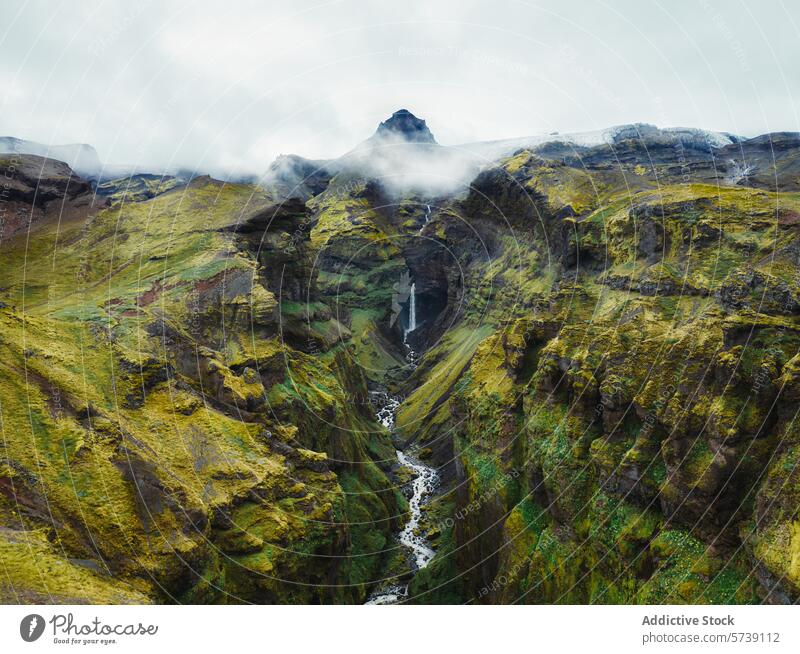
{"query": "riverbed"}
[(422, 487)]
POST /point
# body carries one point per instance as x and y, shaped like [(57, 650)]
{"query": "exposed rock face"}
[(37, 181), (80, 157), (35, 190)]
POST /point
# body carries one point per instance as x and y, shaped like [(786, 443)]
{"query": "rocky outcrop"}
[(36, 190), (80, 157), (406, 126)]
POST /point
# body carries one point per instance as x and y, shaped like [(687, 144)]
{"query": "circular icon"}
[(31, 627)]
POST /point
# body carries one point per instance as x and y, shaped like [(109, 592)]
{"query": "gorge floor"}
[(422, 487)]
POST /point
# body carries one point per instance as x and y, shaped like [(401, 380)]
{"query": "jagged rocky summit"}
[(406, 125)]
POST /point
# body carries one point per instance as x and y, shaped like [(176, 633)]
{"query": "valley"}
[(565, 372)]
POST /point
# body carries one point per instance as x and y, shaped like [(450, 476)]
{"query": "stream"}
[(422, 487)]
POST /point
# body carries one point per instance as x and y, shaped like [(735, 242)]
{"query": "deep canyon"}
[(561, 371)]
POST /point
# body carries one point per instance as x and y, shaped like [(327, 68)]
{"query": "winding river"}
[(422, 486)]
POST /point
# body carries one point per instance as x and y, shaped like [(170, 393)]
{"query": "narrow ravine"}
[(422, 487)]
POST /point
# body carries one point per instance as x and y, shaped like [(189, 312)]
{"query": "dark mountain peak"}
[(405, 124)]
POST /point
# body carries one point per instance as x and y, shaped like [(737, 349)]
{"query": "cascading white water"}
[(412, 324), (412, 309), (422, 488), (427, 219), (412, 314)]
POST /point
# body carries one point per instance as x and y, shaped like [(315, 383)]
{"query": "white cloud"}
[(204, 85)]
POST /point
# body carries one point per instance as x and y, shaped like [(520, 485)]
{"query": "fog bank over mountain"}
[(188, 86), (404, 156)]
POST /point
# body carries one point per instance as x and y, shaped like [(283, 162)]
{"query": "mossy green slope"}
[(609, 387), (625, 432), (162, 441)]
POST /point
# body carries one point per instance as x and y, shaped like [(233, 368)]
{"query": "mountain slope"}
[(81, 157), (605, 375), (158, 425)]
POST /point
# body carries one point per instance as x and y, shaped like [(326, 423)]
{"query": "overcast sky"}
[(234, 84)]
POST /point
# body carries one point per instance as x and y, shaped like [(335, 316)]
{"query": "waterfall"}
[(412, 318), (412, 310), (427, 219)]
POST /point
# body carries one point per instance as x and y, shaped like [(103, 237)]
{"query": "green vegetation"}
[(608, 377)]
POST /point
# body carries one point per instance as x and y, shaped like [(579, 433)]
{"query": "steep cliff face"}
[(174, 428), (605, 373), (34, 189), (621, 433)]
